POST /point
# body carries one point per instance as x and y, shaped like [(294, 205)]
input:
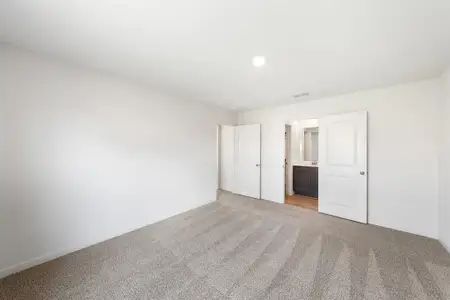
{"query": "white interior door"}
[(247, 167), (227, 158), (272, 159), (343, 166)]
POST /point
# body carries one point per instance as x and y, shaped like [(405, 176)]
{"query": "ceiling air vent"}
[(300, 95)]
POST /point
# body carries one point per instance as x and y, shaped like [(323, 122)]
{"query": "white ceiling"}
[(202, 49)]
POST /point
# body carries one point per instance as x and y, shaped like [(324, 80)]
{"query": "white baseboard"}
[(67, 250), (56, 254), (446, 247), (36, 261)]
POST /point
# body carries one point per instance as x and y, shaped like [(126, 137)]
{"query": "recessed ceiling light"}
[(259, 61)]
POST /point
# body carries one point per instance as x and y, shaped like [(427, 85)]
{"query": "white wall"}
[(403, 149), (86, 157), (444, 166)]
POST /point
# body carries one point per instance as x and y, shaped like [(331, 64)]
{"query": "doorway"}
[(328, 159), (240, 159), (301, 145)]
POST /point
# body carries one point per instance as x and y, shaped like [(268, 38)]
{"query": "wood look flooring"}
[(302, 201)]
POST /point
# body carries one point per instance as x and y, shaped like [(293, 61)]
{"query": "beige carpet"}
[(239, 248)]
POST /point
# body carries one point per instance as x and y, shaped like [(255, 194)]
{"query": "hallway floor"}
[(302, 201)]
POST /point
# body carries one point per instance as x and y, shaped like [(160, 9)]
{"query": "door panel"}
[(273, 162), (343, 166), (305, 181), (341, 141), (302, 181), (248, 160)]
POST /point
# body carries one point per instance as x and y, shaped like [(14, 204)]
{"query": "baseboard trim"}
[(37, 261), (22, 266), (446, 247)]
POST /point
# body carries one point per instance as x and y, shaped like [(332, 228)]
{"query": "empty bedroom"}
[(225, 150)]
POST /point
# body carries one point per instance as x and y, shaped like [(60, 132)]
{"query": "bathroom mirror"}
[(311, 145)]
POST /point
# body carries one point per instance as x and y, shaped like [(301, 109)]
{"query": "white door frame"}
[(218, 157), (289, 189)]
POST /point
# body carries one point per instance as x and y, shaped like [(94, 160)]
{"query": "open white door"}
[(343, 166), (247, 166)]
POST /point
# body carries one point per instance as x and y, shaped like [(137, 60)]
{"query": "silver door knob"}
[(257, 165), (362, 173)]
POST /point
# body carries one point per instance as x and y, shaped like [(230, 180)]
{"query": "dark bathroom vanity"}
[(306, 181)]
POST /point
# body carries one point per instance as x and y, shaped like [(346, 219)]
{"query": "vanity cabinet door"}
[(301, 180), (305, 181), (314, 187)]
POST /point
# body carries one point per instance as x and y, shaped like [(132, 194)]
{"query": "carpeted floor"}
[(239, 248)]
